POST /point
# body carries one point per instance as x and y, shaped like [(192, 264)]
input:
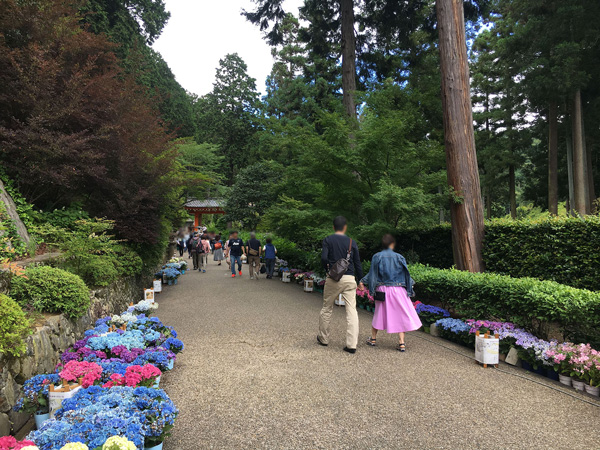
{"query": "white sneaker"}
[(252, 278)]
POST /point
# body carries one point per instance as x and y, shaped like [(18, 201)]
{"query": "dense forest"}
[(352, 121)]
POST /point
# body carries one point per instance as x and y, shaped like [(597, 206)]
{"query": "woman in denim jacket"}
[(389, 274)]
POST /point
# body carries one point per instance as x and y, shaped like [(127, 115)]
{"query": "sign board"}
[(285, 277), (157, 285), (149, 295), (309, 285), (56, 395), (487, 350)]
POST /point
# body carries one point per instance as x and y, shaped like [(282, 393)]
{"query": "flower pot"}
[(171, 364), (183, 272), (426, 329), (170, 282), (525, 365), (579, 385), (592, 390), (361, 306), (552, 374), (40, 419), (156, 447), (156, 383), (540, 371), (564, 379), (175, 281)]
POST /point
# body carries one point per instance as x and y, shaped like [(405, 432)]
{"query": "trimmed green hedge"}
[(14, 327), (561, 249), (48, 289), (529, 303)]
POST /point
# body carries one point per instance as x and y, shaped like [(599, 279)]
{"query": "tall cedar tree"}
[(73, 126)]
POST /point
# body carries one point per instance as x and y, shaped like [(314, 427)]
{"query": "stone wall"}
[(57, 334)]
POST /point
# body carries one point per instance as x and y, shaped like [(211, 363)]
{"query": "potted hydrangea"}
[(430, 314), (35, 397), (118, 443), (10, 443)]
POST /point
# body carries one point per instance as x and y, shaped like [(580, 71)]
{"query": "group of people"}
[(388, 281), (200, 244)]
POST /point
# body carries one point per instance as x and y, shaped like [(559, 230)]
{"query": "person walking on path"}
[(390, 283), (181, 244), (339, 253), (218, 251), (235, 250), (254, 251), (204, 256), (189, 244), (270, 252), (196, 248)]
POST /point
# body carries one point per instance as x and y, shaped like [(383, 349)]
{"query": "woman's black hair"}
[(387, 240), (269, 240)]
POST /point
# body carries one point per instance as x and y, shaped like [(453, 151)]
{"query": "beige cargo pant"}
[(347, 287)]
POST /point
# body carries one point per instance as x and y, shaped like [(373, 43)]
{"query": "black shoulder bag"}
[(339, 269)]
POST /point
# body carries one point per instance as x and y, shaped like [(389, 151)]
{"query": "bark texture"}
[(461, 158), (553, 159), (579, 159), (348, 56)]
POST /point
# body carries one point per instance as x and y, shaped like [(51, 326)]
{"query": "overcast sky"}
[(201, 32)]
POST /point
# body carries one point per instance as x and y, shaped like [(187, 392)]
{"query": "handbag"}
[(379, 296), (253, 252), (339, 269)]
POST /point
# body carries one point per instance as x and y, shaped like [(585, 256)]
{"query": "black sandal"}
[(401, 348), (372, 342)]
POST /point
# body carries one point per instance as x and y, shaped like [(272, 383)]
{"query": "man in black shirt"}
[(254, 250), (335, 247), (235, 249)]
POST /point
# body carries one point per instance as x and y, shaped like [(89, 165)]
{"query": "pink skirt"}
[(397, 313)]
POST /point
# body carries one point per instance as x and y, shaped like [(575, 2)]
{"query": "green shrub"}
[(527, 302), (48, 289), (94, 254), (14, 327), (432, 246), (561, 249)]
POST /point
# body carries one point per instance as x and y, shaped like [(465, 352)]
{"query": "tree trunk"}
[(348, 56), (579, 159), (553, 159), (571, 199), (488, 204), (461, 158), (512, 191), (589, 172)]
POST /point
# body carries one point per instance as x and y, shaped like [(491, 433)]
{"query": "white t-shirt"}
[(265, 248)]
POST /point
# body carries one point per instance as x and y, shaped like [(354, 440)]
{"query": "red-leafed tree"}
[(73, 126)]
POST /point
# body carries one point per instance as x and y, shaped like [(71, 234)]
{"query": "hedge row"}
[(561, 249), (529, 303), (564, 250)]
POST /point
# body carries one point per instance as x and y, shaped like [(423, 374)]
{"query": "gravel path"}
[(252, 376)]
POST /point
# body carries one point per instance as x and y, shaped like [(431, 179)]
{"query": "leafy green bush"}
[(561, 249), (48, 289), (527, 302), (14, 327), (431, 246), (91, 252)]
